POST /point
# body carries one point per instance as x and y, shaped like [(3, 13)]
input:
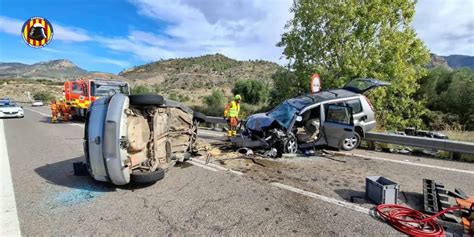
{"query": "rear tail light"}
[(370, 104)]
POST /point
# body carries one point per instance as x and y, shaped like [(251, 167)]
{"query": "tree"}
[(450, 92), (43, 96), (342, 40), (252, 91), (215, 103), (281, 89)]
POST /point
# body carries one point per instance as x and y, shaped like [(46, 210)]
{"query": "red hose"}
[(412, 222)]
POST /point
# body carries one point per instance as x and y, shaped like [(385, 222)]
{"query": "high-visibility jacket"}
[(232, 110), (54, 107)]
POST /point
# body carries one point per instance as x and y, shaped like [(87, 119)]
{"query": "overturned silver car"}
[(137, 137)]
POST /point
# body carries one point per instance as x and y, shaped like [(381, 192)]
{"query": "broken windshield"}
[(284, 113)]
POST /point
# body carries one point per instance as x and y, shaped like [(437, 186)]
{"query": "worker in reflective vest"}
[(54, 111), (64, 110), (231, 113)]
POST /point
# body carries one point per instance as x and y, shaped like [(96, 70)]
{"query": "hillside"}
[(199, 74), (60, 69), (437, 61), (458, 61)]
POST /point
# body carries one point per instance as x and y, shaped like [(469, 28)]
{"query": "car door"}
[(362, 85), (338, 124)]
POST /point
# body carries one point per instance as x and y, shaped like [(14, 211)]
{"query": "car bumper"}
[(16, 115), (114, 129), (106, 126)]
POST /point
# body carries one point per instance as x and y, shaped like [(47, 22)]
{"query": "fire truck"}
[(79, 94)]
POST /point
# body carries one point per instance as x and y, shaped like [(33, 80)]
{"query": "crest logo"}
[(37, 32)]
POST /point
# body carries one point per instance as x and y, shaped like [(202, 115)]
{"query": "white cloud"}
[(10, 26), (89, 57), (447, 27), (70, 34), (13, 27), (239, 29), (115, 62)]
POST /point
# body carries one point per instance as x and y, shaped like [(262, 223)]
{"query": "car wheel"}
[(140, 177), (290, 145), (352, 143), (146, 100)]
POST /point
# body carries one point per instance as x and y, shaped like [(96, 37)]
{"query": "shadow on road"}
[(62, 174)]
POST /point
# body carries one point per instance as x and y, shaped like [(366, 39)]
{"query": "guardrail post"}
[(371, 145), (454, 155)]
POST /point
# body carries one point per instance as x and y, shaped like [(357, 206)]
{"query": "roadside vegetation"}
[(44, 96), (449, 96)]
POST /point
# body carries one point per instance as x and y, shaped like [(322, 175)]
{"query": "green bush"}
[(452, 93), (214, 103), (43, 96), (141, 89), (252, 91)]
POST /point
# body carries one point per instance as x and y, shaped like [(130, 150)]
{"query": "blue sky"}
[(111, 35)]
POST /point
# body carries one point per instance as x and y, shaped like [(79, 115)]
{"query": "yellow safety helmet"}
[(238, 97)]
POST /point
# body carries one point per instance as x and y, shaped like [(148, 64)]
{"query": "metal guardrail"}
[(422, 142), (210, 119)]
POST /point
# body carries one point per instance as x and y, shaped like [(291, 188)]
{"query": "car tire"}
[(352, 143), (290, 146), (146, 100), (147, 177)]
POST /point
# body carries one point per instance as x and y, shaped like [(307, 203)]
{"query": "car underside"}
[(137, 138), (157, 137)]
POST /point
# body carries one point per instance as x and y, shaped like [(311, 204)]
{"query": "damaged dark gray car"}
[(335, 118)]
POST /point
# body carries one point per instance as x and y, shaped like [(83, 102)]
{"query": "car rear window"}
[(355, 105)]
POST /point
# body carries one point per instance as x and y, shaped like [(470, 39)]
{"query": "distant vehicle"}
[(11, 110), (79, 94), (336, 118), (136, 138), (5, 100), (37, 103)]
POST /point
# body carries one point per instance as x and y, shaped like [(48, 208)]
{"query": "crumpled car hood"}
[(258, 122)]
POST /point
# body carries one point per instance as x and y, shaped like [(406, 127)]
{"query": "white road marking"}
[(408, 163), (9, 224), (218, 167), (323, 198), (32, 110), (47, 115), (202, 166), (334, 201), (76, 124), (217, 134)]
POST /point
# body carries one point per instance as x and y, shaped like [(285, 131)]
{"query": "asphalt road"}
[(194, 199)]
